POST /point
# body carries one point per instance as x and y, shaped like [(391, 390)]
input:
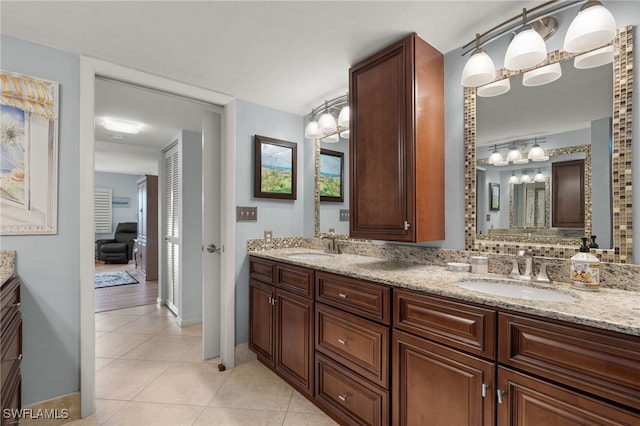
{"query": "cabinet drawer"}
[(9, 301), (461, 326), (349, 397), (356, 343), (262, 270), (295, 279), (359, 297), (10, 348), (598, 362)]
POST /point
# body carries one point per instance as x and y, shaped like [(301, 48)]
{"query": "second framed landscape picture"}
[(275, 168)]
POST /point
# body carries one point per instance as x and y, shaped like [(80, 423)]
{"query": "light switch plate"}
[(344, 215), (246, 214), (488, 217), (268, 237)]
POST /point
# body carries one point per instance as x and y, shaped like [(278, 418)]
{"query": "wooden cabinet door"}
[(568, 194), (531, 402), (294, 337), (437, 386), (261, 320)]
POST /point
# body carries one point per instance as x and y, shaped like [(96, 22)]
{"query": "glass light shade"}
[(544, 158), (121, 126), (514, 155), (595, 58), (312, 131), (494, 89), (331, 139), (514, 179), (521, 161), (526, 179), (501, 163), (479, 70), (592, 27), (495, 157), (345, 134), (542, 75), (539, 177), (526, 50), (535, 152), (327, 124), (343, 118)]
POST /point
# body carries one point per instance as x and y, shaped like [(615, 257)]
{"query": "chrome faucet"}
[(333, 247), (543, 276), (528, 268)]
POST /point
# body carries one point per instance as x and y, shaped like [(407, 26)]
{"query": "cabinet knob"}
[(343, 341), (485, 388), (343, 397), (16, 305), (499, 394), (343, 295)]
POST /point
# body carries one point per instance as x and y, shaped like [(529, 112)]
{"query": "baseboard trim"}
[(53, 412), (187, 322)]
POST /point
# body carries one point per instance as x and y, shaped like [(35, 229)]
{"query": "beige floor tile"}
[(190, 330), (216, 416), (308, 419), (114, 345), (252, 396), (103, 362), (300, 404), (138, 310), (106, 408), (123, 379), (195, 355), (163, 348), (113, 322), (185, 383), (148, 324), (87, 421), (151, 414)]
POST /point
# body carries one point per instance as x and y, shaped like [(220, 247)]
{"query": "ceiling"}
[(287, 55)]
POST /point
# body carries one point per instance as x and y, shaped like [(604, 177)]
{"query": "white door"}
[(211, 239), (172, 175)]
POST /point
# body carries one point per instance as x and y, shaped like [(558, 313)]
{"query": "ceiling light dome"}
[(539, 177), (535, 152), (494, 89), (595, 58), (514, 179), (526, 178), (479, 70), (343, 118), (495, 156), (514, 154), (592, 27), (311, 131), (327, 124), (526, 50), (542, 75), (122, 126)]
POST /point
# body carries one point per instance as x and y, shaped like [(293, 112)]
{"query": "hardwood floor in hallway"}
[(125, 296)]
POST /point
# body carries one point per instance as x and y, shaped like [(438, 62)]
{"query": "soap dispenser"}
[(585, 269)]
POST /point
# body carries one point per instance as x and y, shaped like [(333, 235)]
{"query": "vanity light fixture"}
[(495, 156), (514, 179), (594, 26), (326, 127), (514, 154), (542, 75), (122, 126), (595, 58), (526, 178), (527, 49), (536, 152), (496, 88), (479, 69), (539, 177)]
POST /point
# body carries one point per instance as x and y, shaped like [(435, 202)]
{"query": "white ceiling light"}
[(327, 128), (539, 177), (479, 69), (345, 134), (514, 179), (521, 161), (501, 163), (535, 152), (542, 75), (331, 139), (526, 178), (514, 154), (595, 58), (327, 123), (592, 27), (494, 89), (526, 50), (312, 131), (543, 158), (122, 126), (495, 156), (343, 118)]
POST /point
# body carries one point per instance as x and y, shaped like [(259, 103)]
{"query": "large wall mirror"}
[(332, 178), (582, 119)]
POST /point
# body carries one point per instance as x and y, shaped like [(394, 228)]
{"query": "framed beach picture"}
[(330, 181), (494, 196), (275, 168), (28, 155)]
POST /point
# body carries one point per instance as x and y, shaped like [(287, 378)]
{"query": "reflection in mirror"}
[(570, 119), (332, 210)]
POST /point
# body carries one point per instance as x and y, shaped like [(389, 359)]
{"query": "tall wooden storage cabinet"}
[(148, 227), (397, 143)]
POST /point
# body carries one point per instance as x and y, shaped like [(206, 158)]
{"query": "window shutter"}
[(102, 206)]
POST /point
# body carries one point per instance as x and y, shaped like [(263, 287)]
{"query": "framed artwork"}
[(275, 168), (494, 196), (28, 155), (330, 181)]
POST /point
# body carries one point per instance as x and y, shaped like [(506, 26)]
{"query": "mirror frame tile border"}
[(621, 171)]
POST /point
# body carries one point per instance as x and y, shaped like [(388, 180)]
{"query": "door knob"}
[(211, 248)]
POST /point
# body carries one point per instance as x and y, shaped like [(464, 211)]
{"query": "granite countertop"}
[(610, 309), (7, 264)]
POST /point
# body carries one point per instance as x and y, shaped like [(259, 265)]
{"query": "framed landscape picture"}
[(494, 196), (275, 168), (330, 181)]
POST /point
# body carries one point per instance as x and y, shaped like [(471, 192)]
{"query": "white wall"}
[(121, 186), (284, 217)]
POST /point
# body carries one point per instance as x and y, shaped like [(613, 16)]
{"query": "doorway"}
[(89, 69)]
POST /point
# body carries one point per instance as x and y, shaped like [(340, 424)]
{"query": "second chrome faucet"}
[(528, 269)]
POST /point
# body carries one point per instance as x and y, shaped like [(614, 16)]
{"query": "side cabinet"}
[(10, 349)]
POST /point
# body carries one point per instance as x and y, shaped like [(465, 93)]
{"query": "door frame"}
[(89, 68)]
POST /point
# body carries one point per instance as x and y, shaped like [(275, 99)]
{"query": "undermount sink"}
[(516, 291), (309, 256)]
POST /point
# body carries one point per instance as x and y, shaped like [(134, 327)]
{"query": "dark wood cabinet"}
[(10, 350), (397, 143), (147, 241), (281, 322), (439, 386), (567, 189)]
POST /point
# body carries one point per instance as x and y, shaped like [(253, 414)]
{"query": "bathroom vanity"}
[(401, 343)]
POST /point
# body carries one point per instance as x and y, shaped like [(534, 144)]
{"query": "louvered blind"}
[(171, 199), (102, 210)]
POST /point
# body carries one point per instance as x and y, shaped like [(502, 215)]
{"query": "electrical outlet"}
[(268, 237), (246, 214), (488, 217), (344, 215)]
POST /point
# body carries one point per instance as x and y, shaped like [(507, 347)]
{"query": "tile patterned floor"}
[(149, 372)]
